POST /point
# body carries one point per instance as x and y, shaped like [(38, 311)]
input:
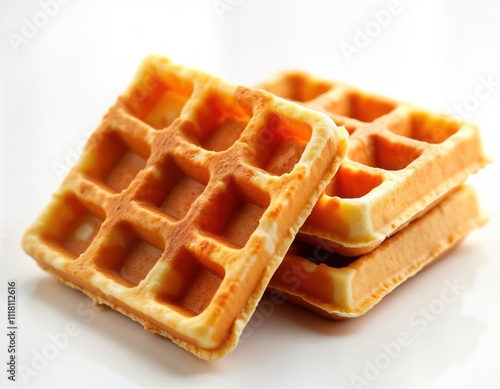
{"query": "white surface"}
[(55, 89)]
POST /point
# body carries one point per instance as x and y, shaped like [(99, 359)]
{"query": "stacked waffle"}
[(362, 238), (187, 201)]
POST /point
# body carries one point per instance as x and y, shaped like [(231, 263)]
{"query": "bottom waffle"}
[(337, 286)]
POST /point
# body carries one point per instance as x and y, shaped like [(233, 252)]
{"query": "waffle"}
[(339, 286), (184, 202), (401, 160)]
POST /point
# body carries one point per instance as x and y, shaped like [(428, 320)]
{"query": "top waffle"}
[(401, 160), (185, 201)]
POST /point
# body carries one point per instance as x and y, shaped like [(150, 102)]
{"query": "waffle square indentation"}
[(351, 183), (71, 226), (172, 189), (298, 87), (361, 106), (158, 98), (83, 235), (216, 123), (224, 134), (280, 145), (385, 153), (234, 213), (426, 127), (114, 162), (190, 283), (126, 256)]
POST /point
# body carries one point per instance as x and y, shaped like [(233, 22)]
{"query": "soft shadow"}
[(118, 332), (449, 339), (314, 322), (122, 346)]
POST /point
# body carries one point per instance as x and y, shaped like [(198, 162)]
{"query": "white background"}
[(56, 85)]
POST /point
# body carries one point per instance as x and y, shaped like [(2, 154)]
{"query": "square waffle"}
[(184, 202), (339, 286), (401, 160)]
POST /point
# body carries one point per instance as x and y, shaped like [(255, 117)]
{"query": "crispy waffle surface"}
[(338, 286), (402, 159), (184, 202)]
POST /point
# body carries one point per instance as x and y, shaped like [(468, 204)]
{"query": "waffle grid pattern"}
[(401, 160), (184, 202)]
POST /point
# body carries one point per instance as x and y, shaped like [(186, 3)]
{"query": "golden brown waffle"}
[(185, 201), (338, 286), (401, 160)]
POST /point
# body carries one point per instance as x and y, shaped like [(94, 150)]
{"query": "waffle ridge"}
[(402, 159), (184, 203)]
